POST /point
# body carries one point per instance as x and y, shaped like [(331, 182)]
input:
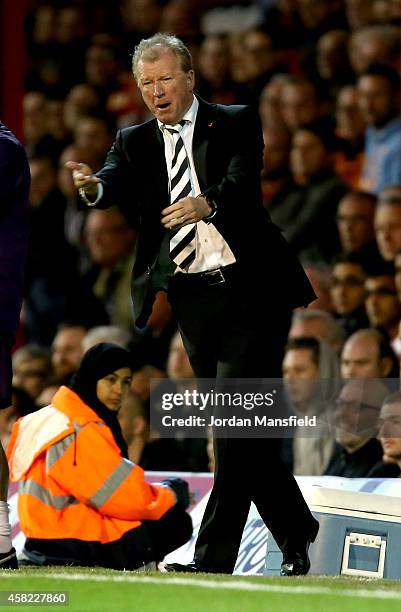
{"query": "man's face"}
[(108, 237), (390, 430), (259, 55), (375, 99), (356, 415), (308, 154), (166, 89), (300, 373), (355, 223), (348, 117), (312, 328), (213, 59), (91, 134), (360, 359), (388, 230), (348, 291), (67, 351), (30, 375), (299, 105), (382, 305)]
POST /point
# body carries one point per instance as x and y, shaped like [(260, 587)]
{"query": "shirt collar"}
[(189, 116), (392, 127)]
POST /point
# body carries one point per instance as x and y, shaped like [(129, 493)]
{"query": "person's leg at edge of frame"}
[(8, 558)]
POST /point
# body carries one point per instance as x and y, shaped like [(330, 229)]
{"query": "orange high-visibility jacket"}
[(74, 483)]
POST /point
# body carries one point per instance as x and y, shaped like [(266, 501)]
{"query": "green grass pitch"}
[(102, 590)]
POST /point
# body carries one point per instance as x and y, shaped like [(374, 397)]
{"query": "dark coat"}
[(14, 192), (227, 151)]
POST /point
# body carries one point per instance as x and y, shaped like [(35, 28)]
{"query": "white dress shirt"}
[(212, 251)]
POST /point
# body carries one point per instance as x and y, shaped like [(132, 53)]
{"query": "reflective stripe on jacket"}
[(74, 483)]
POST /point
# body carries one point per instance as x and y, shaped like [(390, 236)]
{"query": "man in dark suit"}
[(14, 189), (191, 177)]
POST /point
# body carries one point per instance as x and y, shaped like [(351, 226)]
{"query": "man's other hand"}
[(185, 211)]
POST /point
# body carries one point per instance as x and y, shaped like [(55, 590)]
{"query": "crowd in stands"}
[(325, 76)]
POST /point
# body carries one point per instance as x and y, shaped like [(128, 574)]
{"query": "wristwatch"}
[(212, 205)]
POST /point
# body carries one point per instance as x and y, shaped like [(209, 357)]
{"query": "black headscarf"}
[(99, 361)]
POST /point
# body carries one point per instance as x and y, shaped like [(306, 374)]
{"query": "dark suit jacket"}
[(227, 151), (14, 190)]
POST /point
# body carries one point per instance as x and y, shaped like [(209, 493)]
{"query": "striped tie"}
[(182, 243)]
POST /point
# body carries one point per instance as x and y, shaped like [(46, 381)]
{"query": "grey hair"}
[(106, 333), (334, 331), (150, 49)]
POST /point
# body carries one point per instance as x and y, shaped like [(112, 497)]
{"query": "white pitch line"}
[(238, 585)]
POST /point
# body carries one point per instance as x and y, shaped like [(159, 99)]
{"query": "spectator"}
[(141, 378), (144, 448), (179, 368), (106, 333), (378, 96), (350, 129), (390, 431), (306, 214), (260, 62), (82, 100), (111, 516), (355, 215), (317, 324), (140, 18), (367, 354), (387, 11), (47, 209), (270, 109), (388, 222), (348, 294), (46, 396), (215, 82), (359, 13), (357, 452), (103, 68), (72, 31), (181, 18), (110, 241), (374, 44), (31, 369), (300, 104), (94, 135), (276, 175), (310, 372), (67, 350), (381, 301), (319, 16), (38, 141), (333, 68)]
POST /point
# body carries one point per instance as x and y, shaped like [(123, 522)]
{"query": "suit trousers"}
[(236, 330)]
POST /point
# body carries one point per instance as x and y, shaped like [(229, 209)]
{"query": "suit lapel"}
[(159, 167), (204, 124)]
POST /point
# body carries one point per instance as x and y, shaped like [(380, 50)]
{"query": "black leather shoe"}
[(192, 568), (297, 563), (8, 560)]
